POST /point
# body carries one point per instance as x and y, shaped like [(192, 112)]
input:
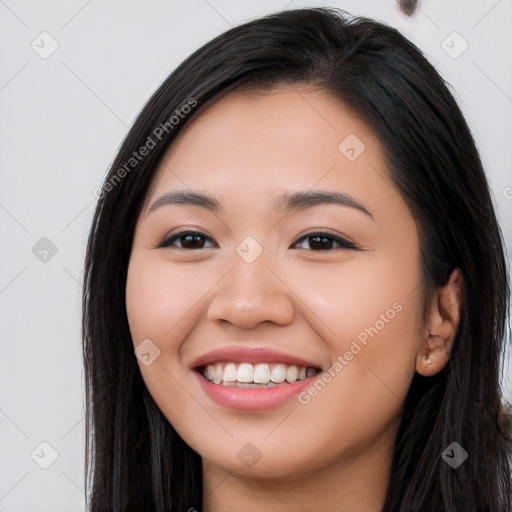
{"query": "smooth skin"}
[(298, 296)]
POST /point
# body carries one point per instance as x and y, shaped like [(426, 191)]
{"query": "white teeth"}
[(261, 373), (209, 372), (229, 373), (292, 373), (245, 373), (278, 373), (217, 376)]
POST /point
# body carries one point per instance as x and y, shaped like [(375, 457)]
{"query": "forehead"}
[(267, 140), (275, 118)]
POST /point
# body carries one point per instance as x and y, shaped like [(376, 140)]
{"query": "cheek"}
[(143, 286), (371, 316), (361, 299), (157, 301), (370, 375), (160, 307)]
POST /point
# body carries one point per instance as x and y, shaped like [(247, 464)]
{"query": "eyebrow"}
[(289, 201)]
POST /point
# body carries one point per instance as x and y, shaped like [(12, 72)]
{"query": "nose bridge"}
[(250, 293)]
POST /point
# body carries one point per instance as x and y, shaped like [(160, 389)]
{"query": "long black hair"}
[(135, 459)]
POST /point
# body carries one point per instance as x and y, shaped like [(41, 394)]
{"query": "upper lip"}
[(250, 355)]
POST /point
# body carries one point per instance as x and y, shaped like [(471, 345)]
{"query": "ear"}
[(443, 319)]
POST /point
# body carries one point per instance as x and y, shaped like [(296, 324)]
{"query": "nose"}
[(250, 294)]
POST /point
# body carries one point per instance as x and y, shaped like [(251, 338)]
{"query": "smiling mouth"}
[(260, 375)]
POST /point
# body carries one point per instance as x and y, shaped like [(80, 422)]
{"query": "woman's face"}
[(326, 327)]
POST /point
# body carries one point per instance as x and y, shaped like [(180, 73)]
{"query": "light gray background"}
[(64, 116)]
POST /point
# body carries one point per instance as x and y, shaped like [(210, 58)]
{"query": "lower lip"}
[(253, 399)]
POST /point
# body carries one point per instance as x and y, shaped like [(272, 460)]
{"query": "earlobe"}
[(443, 323)]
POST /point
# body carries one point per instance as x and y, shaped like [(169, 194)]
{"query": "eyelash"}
[(345, 244)]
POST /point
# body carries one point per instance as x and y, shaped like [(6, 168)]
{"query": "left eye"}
[(188, 239), (322, 240)]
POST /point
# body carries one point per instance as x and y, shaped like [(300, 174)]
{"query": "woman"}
[(295, 292)]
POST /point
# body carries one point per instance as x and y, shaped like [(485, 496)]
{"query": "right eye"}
[(189, 240)]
